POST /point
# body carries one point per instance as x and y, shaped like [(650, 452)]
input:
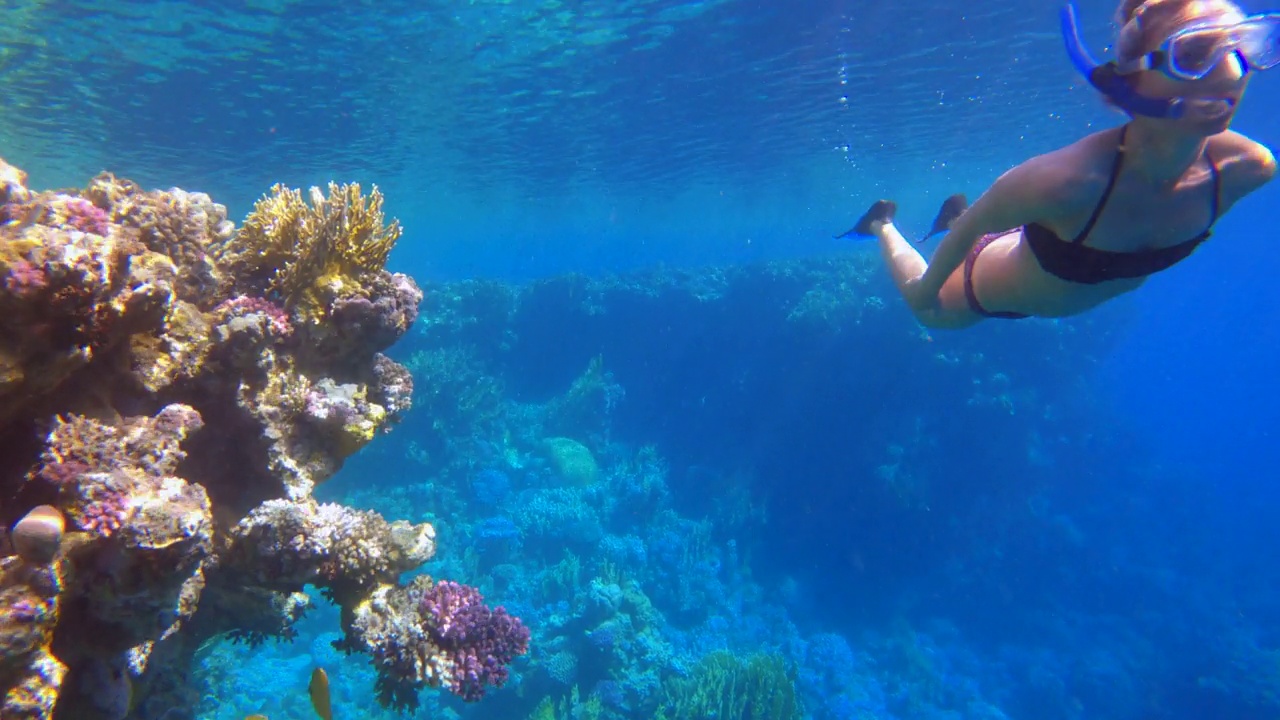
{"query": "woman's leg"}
[(905, 263)]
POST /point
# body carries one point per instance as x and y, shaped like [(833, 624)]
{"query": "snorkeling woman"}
[(1068, 230)]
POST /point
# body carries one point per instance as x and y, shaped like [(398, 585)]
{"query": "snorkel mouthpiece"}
[(1105, 78)]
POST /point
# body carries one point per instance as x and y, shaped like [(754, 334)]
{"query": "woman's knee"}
[(947, 318)]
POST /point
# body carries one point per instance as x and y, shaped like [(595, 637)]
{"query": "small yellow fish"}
[(319, 689), (256, 717)]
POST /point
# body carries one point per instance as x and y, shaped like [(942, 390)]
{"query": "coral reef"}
[(172, 389), (643, 485), (725, 686)]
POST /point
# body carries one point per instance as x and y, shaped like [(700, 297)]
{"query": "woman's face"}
[(1213, 99)]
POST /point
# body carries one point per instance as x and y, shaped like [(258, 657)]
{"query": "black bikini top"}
[(1079, 263)]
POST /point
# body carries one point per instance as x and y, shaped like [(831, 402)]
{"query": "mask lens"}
[(1194, 53)]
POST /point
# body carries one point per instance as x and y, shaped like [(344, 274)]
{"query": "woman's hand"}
[(920, 296)]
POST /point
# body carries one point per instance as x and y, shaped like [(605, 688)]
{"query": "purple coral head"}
[(476, 641)]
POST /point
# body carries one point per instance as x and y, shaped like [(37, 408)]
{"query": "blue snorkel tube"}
[(1106, 80)]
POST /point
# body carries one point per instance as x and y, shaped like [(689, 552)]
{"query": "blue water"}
[(1120, 564)]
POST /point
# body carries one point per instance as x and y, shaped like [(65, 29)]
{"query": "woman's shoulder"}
[(1245, 164), (1048, 189), (1074, 174)]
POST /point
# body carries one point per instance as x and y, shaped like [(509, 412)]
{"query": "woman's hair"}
[(1144, 24)]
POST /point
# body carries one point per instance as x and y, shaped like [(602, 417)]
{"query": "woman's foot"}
[(881, 212), (952, 208)]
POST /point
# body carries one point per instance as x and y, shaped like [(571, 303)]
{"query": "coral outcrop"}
[(172, 389)]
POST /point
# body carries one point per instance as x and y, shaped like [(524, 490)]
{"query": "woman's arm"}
[(1025, 194), (1257, 166)]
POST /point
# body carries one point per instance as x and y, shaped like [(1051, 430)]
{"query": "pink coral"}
[(244, 306), (107, 503), (104, 519), (86, 217), (24, 278)]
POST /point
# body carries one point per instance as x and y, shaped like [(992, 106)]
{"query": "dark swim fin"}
[(952, 208), (881, 211)]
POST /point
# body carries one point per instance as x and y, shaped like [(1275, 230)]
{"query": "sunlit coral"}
[(177, 224), (307, 254), (347, 552)]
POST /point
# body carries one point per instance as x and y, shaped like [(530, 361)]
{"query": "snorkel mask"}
[(1189, 54)]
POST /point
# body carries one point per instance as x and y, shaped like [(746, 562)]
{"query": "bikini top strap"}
[(1106, 194), (1215, 200)]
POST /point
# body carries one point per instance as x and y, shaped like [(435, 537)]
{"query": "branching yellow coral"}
[(309, 253)]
